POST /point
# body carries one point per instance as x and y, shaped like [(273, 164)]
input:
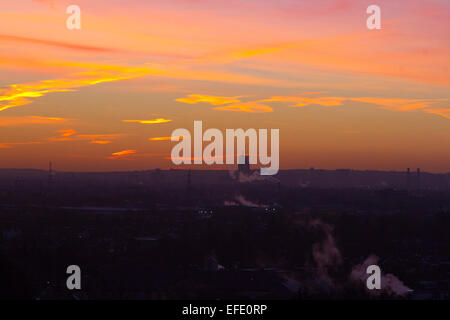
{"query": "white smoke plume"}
[(249, 203), (325, 253), (254, 176), (389, 283), (230, 203), (241, 201)]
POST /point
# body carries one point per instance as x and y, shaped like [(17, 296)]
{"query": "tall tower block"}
[(418, 178), (245, 167), (408, 179), (50, 172)]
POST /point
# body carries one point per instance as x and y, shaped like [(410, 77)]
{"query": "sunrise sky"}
[(106, 97)]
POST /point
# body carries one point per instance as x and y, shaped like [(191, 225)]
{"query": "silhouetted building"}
[(245, 167), (418, 178), (408, 179), (50, 173)]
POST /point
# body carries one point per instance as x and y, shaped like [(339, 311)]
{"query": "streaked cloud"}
[(354, 53), (67, 135), (9, 145), (246, 53), (120, 154), (214, 100), (123, 152), (443, 112), (67, 132), (99, 136), (232, 103), (424, 105), (249, 107), (400, 104), (314, 98), (152, 121), (59, 44), (71, 135), (395, 104), (304, 101), (16, 95), (30, 120), (164, 138)]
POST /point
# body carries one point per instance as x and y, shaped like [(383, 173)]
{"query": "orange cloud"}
[(242, 54), (59, 44), (389, 103), (67, 133), (9, 145), (70, 135), (305, 101), (234, 104), (399, 104), (99, 136), (18, 121), (233, 55), (122, 153), (153, 121), (353, 53), (164, 138), (16, 95), (250, 107), (214, 100), (443, 112)]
